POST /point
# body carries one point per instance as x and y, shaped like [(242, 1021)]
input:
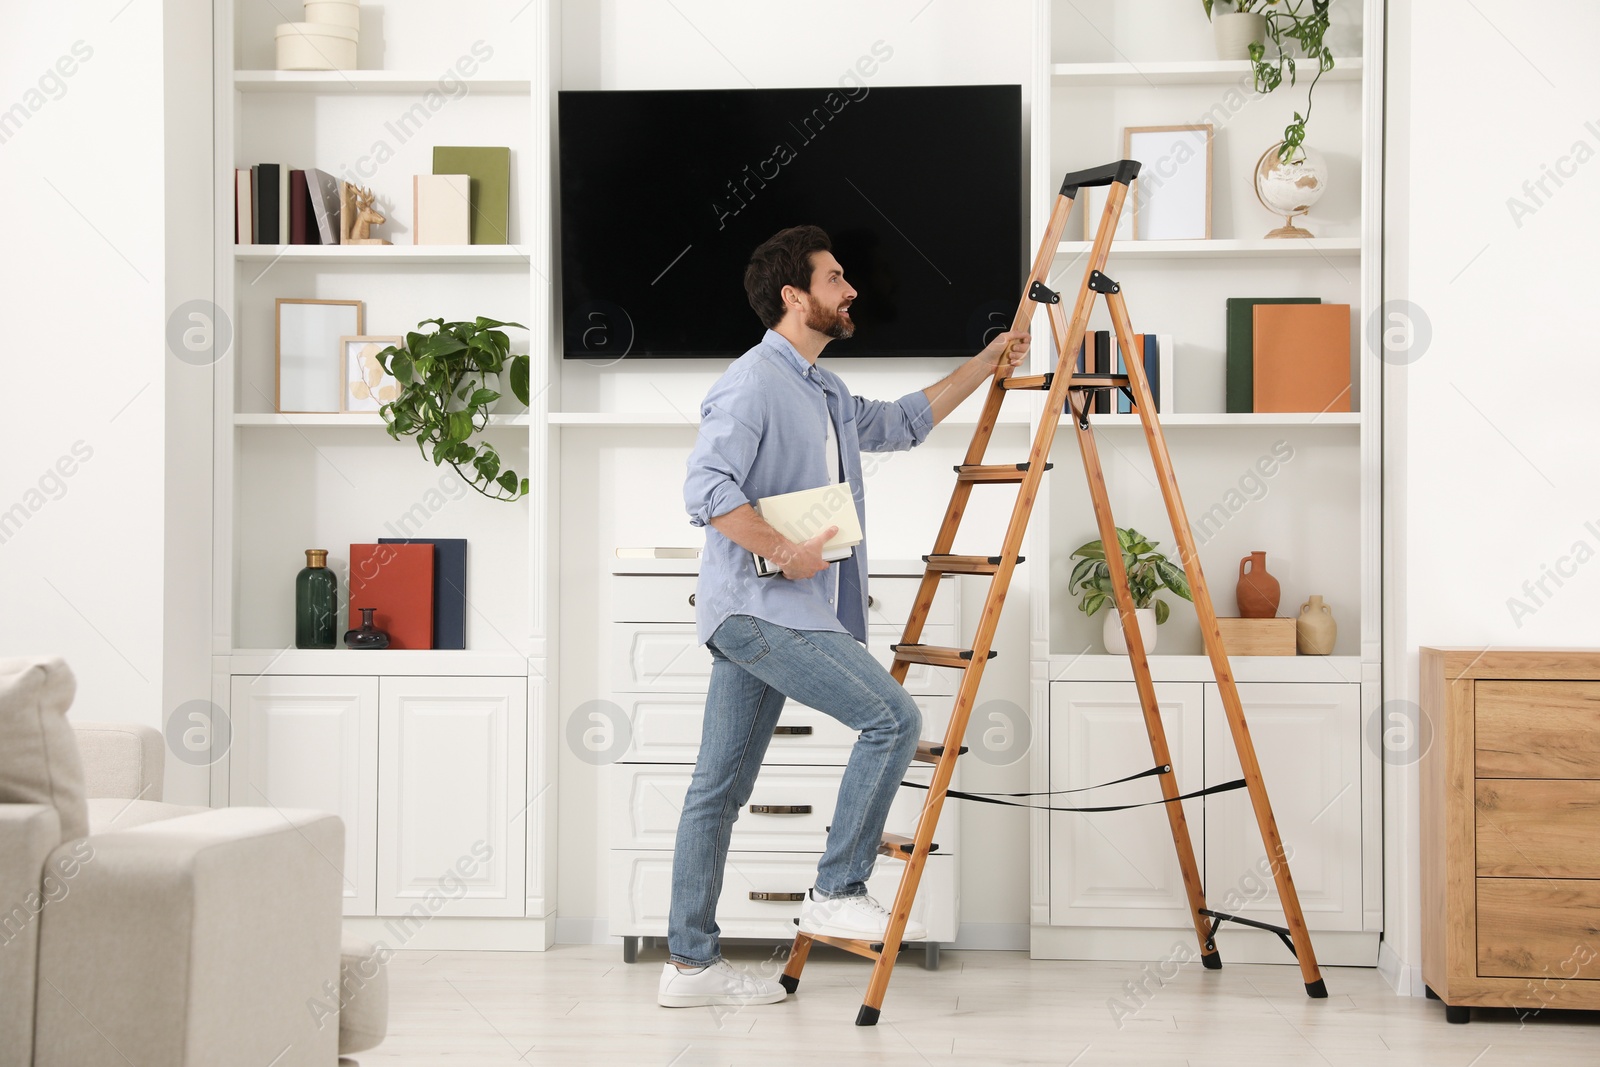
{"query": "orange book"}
[(1302, 357), (397, 580)]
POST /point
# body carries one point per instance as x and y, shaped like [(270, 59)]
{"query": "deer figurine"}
[(357, 216)]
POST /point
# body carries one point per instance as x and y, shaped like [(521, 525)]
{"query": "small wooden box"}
[(1257, 637)]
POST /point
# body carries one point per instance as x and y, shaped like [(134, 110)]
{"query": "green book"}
[(489, 189), (1241, 346)]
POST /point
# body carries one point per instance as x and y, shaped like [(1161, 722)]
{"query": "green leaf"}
[(1162, 611), (508, 481), (524, 487), (1174, 578), (488, 463), (1092, 550), (1093, 603), (483, 397), (1125, 538), (402, 368), (519, 378), (1081, 572), (459, 427)]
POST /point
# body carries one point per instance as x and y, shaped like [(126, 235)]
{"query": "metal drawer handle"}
[(691, 600), (872, 601), (776, 896), (791, 731), (780, 809)]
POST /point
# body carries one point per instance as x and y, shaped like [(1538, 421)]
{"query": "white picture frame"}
[(1172, 195), (363, 383), (307, 352), (1094, 205)]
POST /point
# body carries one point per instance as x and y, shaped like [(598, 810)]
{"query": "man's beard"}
[(833, 325)]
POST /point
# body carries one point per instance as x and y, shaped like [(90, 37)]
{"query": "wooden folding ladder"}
[(1061, 386)]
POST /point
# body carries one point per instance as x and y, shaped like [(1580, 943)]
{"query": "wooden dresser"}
[(1511, 829)]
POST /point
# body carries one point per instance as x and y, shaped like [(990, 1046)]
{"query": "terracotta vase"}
[(1258, 590), (1315, 629)]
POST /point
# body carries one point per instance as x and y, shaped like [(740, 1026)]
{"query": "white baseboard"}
[(1402, 977), (582, 931), (992, 937)]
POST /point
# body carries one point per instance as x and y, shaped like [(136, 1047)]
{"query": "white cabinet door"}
[(1119, 868), (450, 801), (1307, 738), (301, 742)]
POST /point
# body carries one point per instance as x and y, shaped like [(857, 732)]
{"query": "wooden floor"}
[(583, 1005)]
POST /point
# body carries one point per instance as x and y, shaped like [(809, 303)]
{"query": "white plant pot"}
[(1235, 32), (1111, 631), (316, 46)]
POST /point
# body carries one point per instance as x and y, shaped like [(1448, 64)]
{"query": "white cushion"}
[(39, 761), (114, 813), (363, 995)]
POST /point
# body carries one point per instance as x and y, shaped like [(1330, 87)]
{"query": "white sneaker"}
[(720, 983), (858, 918)]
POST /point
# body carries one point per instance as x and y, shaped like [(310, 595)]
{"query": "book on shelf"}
[(658, 552), (1302, 357), (1103, 404), (244, 230), (1157, 352), (441, 209), (449, 587), (1241, 347), (802, 515), (397, 581), (302, 222), (489, 189), (323, 188)]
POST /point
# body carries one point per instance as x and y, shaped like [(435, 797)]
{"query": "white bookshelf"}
[(1222, 248), (1178, 73), (364, 81), (374, 255)]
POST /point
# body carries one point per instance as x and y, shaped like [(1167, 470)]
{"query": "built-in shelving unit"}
[(384, 255), (1324, 247), (1171, 73), (364, 81)]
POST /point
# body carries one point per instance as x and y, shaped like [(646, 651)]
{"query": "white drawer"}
[(669, 598), (666, 729), (668, 658), (641, 893), (647, 800)]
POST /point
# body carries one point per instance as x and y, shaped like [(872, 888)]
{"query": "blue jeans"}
[(756, 666)]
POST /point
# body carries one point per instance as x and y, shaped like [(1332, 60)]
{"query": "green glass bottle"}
[(316, 603)]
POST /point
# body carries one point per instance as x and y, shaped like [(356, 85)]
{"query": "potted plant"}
[(449, 380), (1149, 572), (1278, 19)]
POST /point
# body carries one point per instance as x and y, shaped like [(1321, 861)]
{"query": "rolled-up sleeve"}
[(731, 419), (893, 425)]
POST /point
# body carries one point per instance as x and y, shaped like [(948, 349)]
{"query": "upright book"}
[(266, 203), (323, 189), (441, 209), (1241, 346), (449, 587), (396, 580), (1302, 357), (490, 188)]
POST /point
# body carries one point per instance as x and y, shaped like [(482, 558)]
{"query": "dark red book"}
[(396, 580)]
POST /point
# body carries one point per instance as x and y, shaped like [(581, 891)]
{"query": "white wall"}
[(622, 487), (1490, 476), (82, 479)]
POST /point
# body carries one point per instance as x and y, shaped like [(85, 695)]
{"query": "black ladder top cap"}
[(1122, 172)]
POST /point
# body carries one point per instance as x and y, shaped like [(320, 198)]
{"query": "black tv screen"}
[(665, 193)]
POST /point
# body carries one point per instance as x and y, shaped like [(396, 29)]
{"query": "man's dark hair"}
[(782, 259)]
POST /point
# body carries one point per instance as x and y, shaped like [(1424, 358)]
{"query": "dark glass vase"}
[(316, 603), (369, 636)]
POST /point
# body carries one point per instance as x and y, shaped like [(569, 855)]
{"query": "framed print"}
[(1094, 204), (308, 354), (363, 384), (1172, 195)]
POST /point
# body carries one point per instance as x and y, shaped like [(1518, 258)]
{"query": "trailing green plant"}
[(1287, 19), (444, 400), (1149, 572)]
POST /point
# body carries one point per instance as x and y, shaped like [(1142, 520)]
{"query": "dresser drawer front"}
[(652, 597), (892, 599), (666, 729), (1539, 928), (647, 799), (641, 893), (1537, 729), (1533, 828), (668, 658)]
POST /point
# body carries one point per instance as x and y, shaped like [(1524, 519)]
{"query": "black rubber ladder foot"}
[(1317, 990), (1457, 1013), (869, 1016), (789, 982), (1211, 961)]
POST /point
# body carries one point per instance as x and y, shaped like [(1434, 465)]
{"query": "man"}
[(776, 423)]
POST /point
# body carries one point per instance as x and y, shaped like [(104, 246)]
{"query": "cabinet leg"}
[(1457, 1013), (930, 961), (630, 950), (1428, 992)]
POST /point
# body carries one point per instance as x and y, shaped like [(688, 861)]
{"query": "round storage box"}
[(316, 46), (335, 12)]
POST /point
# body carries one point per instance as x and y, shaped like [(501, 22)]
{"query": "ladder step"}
[(1028, 381), (965, 564), (870, 949), (1097, 381), (930, 751), (901, 847), (936, 655), (993, 472)]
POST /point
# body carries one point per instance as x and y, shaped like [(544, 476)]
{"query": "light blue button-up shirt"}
[(763, 432)]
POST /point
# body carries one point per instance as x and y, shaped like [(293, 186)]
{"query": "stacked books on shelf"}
[(1289, 353), (418, 587)]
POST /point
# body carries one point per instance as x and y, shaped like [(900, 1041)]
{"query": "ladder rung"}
[(931, 751), (936, 655), (993, 472), (965, 564), (1097, 381), (901, 847), (870, 949), (1028, 381)]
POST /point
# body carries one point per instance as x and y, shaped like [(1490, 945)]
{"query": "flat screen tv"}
[(665, 193)]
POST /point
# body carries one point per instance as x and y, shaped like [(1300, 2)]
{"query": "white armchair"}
[(137, 931)]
